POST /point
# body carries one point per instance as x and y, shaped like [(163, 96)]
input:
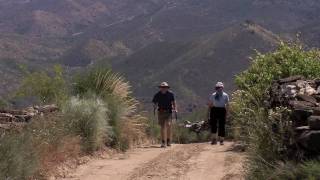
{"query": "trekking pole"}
[(176, 116), (154, 115), (178, 127), (153, 124)]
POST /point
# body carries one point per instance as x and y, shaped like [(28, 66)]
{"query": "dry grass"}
[(52, 156)]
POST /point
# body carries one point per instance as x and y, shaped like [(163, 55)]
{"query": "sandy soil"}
[(191, 161)]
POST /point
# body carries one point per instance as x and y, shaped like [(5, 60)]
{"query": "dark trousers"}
[(218, 121)]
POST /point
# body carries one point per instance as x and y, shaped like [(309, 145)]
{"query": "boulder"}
[(309, 140), (314, 122)]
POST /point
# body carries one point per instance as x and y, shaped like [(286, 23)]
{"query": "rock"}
[(310, 140), (312, 83), (301, 84), (318, 90), (309, 90), (302, 128), (289, 79), (317, 82), (301, 105), (13, 112), (23, 118), (5, 117), (307, 98), (314, 122), (289, 91), (316, 111), (300, 117), (305, 88), (317, 97), (47, 108), (197, 127)]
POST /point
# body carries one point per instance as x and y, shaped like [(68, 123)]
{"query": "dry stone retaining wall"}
[(302, 97), (13, 118)]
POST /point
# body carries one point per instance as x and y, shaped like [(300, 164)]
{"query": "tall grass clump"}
[(99, 110), (267, 132), (30, 152), (127, 126), (89, 119)]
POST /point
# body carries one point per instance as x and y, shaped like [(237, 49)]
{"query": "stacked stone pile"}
[(197, 127), (13, 118), (303, 98)]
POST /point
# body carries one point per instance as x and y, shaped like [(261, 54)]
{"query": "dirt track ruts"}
[(187, 162)]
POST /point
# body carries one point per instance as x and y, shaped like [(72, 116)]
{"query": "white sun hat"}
[(164, 84), (219, 85)]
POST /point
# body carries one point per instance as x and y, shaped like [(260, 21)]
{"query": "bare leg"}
[(169, 130), (214, 138), (163, 132)]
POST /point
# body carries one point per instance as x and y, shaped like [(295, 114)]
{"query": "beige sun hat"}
[(219, 85), (164, 84)]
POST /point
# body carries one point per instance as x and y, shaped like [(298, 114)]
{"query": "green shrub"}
[(49, 89), (114, 91), (309, 170), (252, 121), (18, 160), (24, 149), (89, 119)]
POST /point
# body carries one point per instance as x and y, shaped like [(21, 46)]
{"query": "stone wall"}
[(17, 118), (302, 97)]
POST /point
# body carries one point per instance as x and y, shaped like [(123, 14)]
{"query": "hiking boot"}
[(168, 143), (163, 144), (213, 142), (221, 143)]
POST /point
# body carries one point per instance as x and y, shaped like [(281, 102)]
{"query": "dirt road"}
[(191, 161)]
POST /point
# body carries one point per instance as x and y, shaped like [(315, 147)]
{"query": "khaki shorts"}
[(164, 117)]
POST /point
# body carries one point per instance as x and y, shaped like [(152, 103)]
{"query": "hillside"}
[(193, 67), (78, 33)]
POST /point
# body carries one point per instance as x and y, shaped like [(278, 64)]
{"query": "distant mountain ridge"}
[(187, 38)]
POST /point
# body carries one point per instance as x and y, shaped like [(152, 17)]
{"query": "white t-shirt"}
[(221, 102)]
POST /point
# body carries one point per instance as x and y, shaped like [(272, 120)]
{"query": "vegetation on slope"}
[(96, 111), (253, 122)]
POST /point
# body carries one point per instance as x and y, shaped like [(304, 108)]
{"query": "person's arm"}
[(174, 104), (210, 105), (208, 114), (155, 103), (227, 106)]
